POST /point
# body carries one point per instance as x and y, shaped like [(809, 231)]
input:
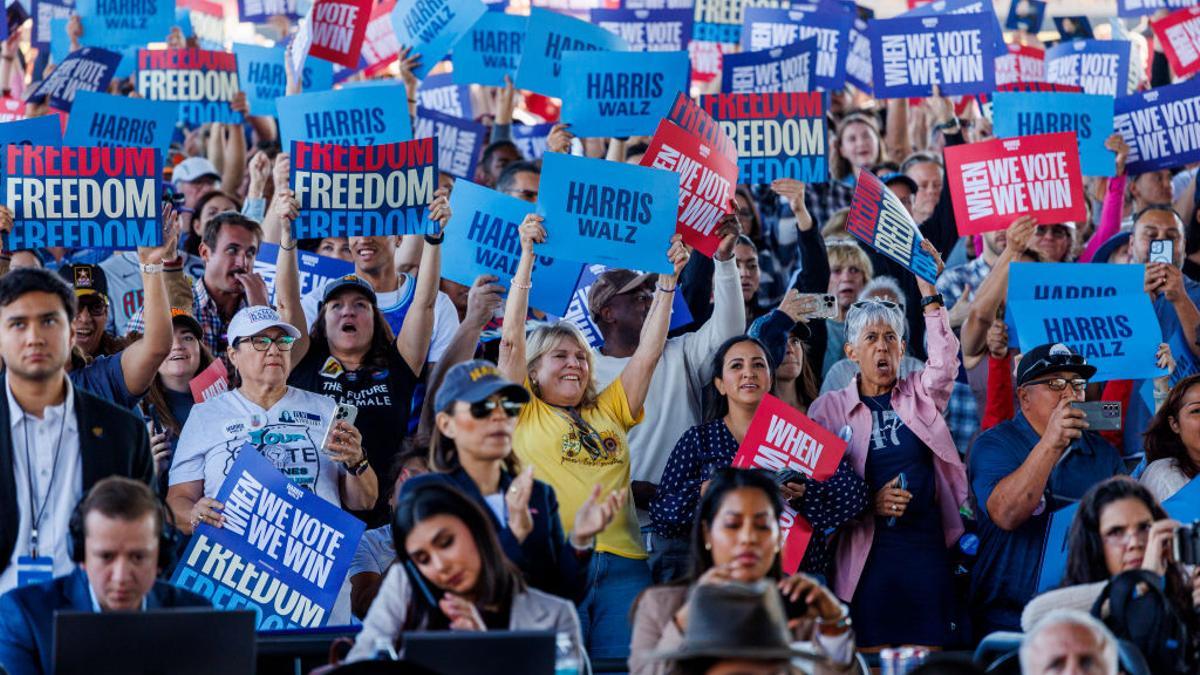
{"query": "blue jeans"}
[(604, 615)]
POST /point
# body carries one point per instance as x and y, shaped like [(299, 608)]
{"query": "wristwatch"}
[(358, 469), (935, 299)]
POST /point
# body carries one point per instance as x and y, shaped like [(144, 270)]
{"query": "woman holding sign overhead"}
[(900, 443), (575, 437)]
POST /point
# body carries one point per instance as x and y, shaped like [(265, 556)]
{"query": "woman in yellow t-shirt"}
[(575, 437)]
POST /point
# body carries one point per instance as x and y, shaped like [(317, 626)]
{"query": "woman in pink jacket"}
[(893, 565)]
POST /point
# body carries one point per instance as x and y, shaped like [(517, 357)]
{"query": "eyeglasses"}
[(1056, 231), (485, 408), (262, 343), (1060, 383), (1120, 537), (95, 306)]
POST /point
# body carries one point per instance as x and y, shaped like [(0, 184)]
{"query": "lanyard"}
[(37, 512)]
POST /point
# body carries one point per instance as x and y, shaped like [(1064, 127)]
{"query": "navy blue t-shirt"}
[(104, 377), (1006, 573)]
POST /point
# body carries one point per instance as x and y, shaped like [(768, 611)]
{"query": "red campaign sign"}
[(706, 183), (1179, 33), (706, 59), (11, 109), (781, 437), (338, 28), (696, 121), (209, 382), (380, 46), (994, 182), (1022, 63)]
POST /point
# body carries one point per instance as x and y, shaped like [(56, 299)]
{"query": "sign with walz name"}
[(1089, 116), (375, 190), (775, 135), (781, 437), (432, 27), (620, 94), (1097, 66), (765, 27), (203, 81), (82, 197), (263, 76), (994, 182), (483, 238), (777, 69), (1161, 126), (490, 50), (878, 219), (121, 24), (315, 270), (1179, 35), (348, 116), (912, 54), (283, 551), (607, 212)]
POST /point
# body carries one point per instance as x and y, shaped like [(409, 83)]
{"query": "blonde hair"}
[(835, 227), (846, 252), (840, 166), (545, 338)]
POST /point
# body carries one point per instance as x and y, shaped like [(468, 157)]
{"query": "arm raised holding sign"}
[(413, 340), (140, 360)]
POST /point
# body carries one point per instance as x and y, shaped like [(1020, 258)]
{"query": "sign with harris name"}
[(490, 50), (621, 94), (123, 24), (953, 51), (432, 27), (263, 76), (550, 34), (101, 120), (376, 190), (1179, 35), (1088, 115), (706, 183), (774, 135), (996, 181), (82, 197), (460, 141), (483, 238), (646, 30), (830, 24), (1161, 126), (348, 116), (203, 81), (337, 28), (85, 69), (607, 212), (878, 219), (1111, 321), (781, 437), (777, 69), (282, 551), (1096, 66)]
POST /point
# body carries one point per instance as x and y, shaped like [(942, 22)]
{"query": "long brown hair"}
[(382, 340), (157, 394), (1161, 441), (840, 167)]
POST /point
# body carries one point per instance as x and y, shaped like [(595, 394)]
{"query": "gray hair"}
[(1071, 617), (865, 313), (887, 285)]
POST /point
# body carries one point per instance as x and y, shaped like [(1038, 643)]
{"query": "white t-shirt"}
[(290, 435)]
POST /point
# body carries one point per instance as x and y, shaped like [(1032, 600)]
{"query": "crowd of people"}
[(513, 475)]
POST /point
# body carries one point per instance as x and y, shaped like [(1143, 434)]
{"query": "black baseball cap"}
[(889, 179), (86, 279), (1052, 358), (475, 381), (349, 281)]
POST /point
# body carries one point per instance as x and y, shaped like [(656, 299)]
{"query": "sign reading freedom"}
[(878, 218), (775, 135), (82, 197), (994, 182), (362, 191), (203, 81)]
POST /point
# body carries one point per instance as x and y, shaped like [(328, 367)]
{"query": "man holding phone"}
[(1023, 470)]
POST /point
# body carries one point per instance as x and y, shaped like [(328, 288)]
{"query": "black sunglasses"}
[(485, 408)]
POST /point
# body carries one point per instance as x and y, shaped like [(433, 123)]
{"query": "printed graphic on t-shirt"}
[(603, 450), (290, 447), (885, 429)]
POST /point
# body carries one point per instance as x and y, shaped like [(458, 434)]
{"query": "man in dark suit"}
[(119, 540), (56, 440)]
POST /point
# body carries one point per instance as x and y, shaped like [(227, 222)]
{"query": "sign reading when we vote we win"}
[(283, 551), (1179, 35), (912, 54), (879, 219), (82, 197), (766, 28), (994, 182), (363, 191), (1161, 126), (778, 69), (775, 135), (781, 437), (1097, 66)]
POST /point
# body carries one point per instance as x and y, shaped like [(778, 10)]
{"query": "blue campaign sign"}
[(482, 238), (43, 13), (123, 24), (283, 551), (579, 314), (1160, 126), (775, 135), (441, 93), (350, 116), (85, 69), (549, 35), (776, 69), (858, 60), (376, 190), (1133, 8), (878, 219), (263, 76), (261, 11), (103, 120), (44, 130), (460, 141), (531, 139), (953, 7), (432, 27), (621, 94), (1088, 115), (607, 212), (954, 51), (1098, 66), (490, 50), (648, 30), (1054, 549), (830, 24), (1026, 15), (315, 270), (1184, 505)]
